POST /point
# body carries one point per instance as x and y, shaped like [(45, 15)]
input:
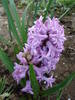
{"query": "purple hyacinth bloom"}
[(20, 72), (43, 49), (27, 88), (21, 57), (48, 81), (56, 33)]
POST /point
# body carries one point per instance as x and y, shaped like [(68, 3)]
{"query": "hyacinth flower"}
[(43, 49), (27, 88)]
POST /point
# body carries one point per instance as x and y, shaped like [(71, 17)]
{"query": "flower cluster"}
[(43, 49)]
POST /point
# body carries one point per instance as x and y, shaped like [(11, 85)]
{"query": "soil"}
[(65, 66)]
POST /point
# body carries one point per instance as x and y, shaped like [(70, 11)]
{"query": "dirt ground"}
[(65, 66)]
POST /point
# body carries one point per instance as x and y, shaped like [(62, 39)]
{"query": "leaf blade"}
[(6, 61), (24, 14), (47, 9), (11, 22), (17, 19), (34, 81), (2, 85)]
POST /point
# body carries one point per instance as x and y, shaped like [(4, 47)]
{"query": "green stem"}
[(49, 97), (47, 9), (39, 98)]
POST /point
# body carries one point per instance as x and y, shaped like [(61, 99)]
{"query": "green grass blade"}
[(47, 8), (36, 9), (58, 87), (34, 82), (2, 85), (24, 19), (4, 95), (16, 50), (59, 95), (66, 2), (6, 61), (11, 22), (25, 14), (68, 9), (49, 97), (23, 82), (17, 19), (53, 10)]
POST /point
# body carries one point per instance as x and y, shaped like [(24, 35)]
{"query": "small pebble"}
[(21, 18), (56, 76), (7, 26), (6, 22), (69, 98), (63, 63)]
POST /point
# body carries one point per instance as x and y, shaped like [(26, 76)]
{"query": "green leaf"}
[(11, 22), (25, 14), (23, 82), (6, 61), (16, 50), (17, 19), (47, 8), (58, 87), (9, 30), (36, 9), (66, 2), (52, 11), (68, 9), (9, 89), (49, 97), (2, 85), (59, 95), (34, 82)]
